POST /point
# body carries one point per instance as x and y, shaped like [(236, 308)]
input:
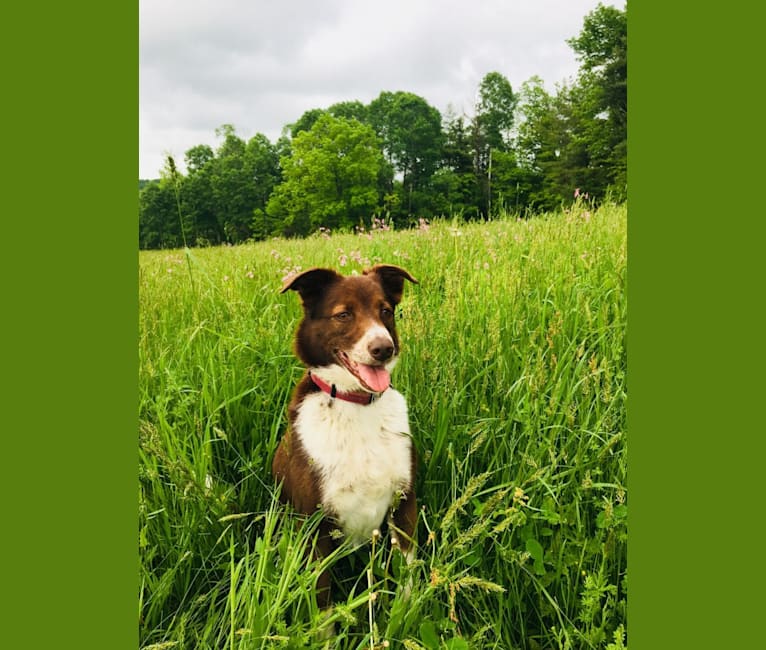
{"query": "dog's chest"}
[(362, 455)]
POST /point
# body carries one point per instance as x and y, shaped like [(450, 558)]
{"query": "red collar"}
[(356, 398)]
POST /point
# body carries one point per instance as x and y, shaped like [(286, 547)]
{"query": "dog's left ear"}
[(392, 279)]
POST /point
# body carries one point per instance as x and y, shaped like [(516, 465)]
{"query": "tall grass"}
[(513, 364)]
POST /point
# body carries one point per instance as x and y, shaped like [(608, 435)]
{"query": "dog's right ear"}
[(311, 284)]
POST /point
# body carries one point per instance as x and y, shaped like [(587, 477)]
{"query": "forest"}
[(398, 161)]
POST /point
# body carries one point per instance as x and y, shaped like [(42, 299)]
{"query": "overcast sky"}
[(260, 64)]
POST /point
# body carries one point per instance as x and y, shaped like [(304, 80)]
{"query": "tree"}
[(330, 179), (455, 188), (242, 177), (232, 186), (305, 121), (538, 142), (197, 200), (350, 110), (262, 167), (410, 130), (494, 111), (490, 131), (158, 225), (197, 157), (602, 49)]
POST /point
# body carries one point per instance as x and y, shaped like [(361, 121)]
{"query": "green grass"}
[(514, 367)]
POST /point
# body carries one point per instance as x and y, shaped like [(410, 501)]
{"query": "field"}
[(514, 366)]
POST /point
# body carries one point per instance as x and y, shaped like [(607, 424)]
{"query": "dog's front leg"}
[(402, 522), (323, 591)]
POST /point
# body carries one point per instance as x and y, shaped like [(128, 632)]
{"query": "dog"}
[(347, 449)]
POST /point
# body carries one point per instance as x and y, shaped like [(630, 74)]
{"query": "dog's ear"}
[(311, 284), (392, 279)]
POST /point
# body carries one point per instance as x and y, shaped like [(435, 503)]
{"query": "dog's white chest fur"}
[(362, 454)]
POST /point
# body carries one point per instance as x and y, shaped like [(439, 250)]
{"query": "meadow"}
[(514, 366)]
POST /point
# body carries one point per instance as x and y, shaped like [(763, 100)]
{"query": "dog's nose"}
[(381, 349)]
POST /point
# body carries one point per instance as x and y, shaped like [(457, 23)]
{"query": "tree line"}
[(398, 159)]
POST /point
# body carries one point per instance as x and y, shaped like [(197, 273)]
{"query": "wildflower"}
[(250, 275), (577, 192), (343, 260), (379, 224), (225, 278), (289, 273)]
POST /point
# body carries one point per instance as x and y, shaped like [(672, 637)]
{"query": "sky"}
[(259, 64)]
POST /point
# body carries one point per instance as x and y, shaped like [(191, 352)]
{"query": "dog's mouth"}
[(374, 379)]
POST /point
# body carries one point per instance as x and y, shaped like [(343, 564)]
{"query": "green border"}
[(69, 408), (694, 269), (658, 603), (69, 269)]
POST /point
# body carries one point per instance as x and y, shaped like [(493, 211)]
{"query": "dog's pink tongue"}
[(376, 377)]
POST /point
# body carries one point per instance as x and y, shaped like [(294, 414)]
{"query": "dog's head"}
[(348, 326)]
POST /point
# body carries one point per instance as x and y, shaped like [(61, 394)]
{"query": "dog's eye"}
[(386, 312), (342, 316)]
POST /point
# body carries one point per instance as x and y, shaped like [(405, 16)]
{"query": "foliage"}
[(330, 178), (490, 132), (602, 47), (410, 130), (156, 230), (306, 121), (529, 151), (513, 364), (455, 185), (494, 113)]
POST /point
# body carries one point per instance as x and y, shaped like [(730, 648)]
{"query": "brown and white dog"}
[(347, 449)]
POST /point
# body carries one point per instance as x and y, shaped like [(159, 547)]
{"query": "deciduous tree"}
[(602, 49), (410, 130), (330, 179)]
